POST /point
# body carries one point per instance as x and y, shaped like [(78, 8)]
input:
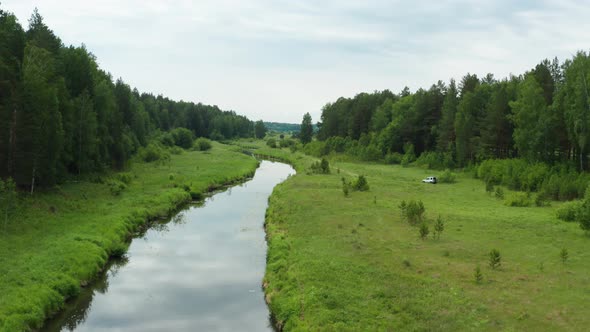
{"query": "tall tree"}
[(259, 129), (306, 129)]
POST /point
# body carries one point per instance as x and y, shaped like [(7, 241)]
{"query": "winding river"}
[(202, 271)]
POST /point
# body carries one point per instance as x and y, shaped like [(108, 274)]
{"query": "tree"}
[(8, 199), (259, 129), (531, 121), (495, 259), (306, 129)]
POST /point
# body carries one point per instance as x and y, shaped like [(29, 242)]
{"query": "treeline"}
[(60, 114), (542, 115)]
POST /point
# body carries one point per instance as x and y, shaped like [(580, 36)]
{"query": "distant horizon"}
[(276, 61)]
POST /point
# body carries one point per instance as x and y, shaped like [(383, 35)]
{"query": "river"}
[(201, 271)]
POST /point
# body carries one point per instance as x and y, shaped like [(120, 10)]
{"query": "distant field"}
[(64, 236), (348, 264)]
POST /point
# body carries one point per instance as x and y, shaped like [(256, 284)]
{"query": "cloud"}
[(278, 59)]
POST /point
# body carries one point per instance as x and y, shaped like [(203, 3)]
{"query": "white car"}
[(430, 179)]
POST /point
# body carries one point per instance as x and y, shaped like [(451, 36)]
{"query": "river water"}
[(202, 271)]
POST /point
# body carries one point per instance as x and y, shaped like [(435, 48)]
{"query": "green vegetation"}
[(61, 116), (61, 237), (354, 263)]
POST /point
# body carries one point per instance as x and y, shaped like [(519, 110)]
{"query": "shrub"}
[(495, 259), (439, 227), (175, 150), (126, 177), (568, 211), (393, 158), (413, 211), (424, 231), (116, 187), (478, 275), (541, 200), (345, 189), (202, 144), (153, 152), (489, 187), (360, 184), (182, 137), (286, 143), (499, 193), (447, 177), (167, 139), (564, 255), (518, 200), (320, 167), (118, 249), (271, 142)]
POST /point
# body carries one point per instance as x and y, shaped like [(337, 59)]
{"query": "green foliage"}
[(447, 177), (439, 227), (499, 193), (568, 210), (153, 152), (183, 138), (564, 255), (424, 231), (393, 158), (345, 189), (116, 187), (495, 259), (8, 200), (320, 167), (203, 144), (559, 183), (518, 200), (490, 187), (409, 155), (478, 276), (259, 129), (360, 184), (306, 129), (412, 211), (286, 143), (124, 177), (271, 143)]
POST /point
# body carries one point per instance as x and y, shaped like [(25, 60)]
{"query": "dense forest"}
[(542, 115), (61, 115)]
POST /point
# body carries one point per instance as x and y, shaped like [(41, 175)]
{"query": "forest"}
[(540, 120), (61, 115)]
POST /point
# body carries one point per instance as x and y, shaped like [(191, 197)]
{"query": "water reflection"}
[(200, 272)]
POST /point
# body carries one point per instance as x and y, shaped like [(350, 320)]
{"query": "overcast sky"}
[(276, 60)]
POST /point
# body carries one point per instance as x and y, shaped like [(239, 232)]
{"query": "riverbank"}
[(62, 238), (351, 263)]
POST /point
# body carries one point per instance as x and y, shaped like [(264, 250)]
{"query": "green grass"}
[(63, 237), (350, 264)]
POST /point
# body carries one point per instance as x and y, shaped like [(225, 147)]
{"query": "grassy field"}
[(61, 238), (340, 263)]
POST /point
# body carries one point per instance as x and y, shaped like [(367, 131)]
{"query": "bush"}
[(153, 152), (439, 227), (499, 193), (116, 187), (478, 275), (518, 200), (564, 255), (202, 144), (447, 177), (360, 184), (182, 137), (413, 211), (167, 139), (286, 143), (393, 158), (424, 231), (495, 259), (568, 211), (126, 178), (320, 167), (271, 142)]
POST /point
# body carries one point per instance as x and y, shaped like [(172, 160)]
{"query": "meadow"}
[(353, 263), (62, 237)]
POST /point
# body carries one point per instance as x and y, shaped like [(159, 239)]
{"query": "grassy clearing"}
[(346, 264), (65, 236)]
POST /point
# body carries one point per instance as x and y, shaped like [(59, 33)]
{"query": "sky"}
[(276, 60)]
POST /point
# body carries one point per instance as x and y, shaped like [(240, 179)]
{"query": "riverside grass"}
[(352, 264), (63, 237)]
